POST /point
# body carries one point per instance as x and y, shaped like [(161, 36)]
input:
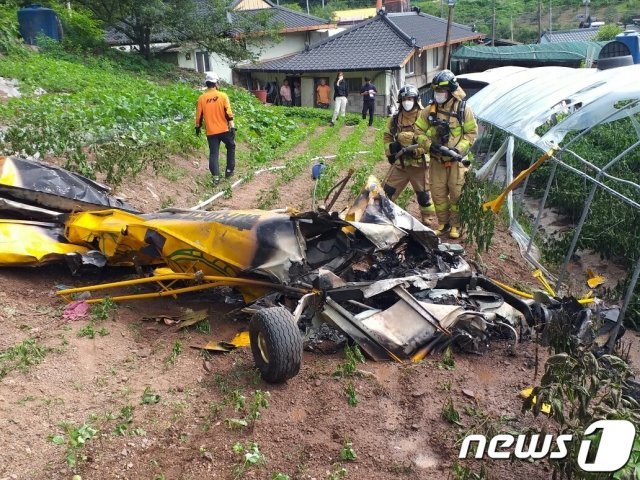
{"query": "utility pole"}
[(550, 14), (512, 28), (447, 40), (586, 9), (307, 7), (539, 20), (493, 25), (441, 8)]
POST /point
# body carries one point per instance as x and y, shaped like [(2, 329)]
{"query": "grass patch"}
[(22, 356)]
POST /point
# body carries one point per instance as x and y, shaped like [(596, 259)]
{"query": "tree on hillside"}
[(607, 32), (209, 24), (141, 22), (213, 26)]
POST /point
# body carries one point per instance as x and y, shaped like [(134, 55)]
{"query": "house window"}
[(202, 61), (354, 84), (410, 66), (436, 57)]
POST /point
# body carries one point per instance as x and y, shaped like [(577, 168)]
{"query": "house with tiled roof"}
[(390, 48), (575, 35), (296, 30)]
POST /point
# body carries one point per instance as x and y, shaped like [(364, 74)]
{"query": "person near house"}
[(323, 94), (413, 166), (368, 92), (214, 110), (340, 93), (447, 121), (297, 94), (285, 93)]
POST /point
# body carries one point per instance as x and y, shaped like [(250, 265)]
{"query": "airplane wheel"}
[(276, 344)]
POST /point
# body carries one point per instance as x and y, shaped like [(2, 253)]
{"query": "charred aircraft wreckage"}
[(371, 273)]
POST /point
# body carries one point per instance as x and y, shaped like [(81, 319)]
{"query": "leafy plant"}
[(75, 438), (237, 400), (447, 362), (173, 356), (149, 397), (460, 472), (103, 310), (9, 35), (280, 476), (259, 400), (449, 412), (250, 457), (350, 366), (338, 472), (21, 356), (126, 418), (352, 394), (478, 223), (347, 452)]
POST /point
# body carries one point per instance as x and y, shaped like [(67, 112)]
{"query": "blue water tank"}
[(631, 39), (35, 19)]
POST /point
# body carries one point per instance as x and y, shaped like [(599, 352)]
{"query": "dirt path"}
[(248, 194), (298, 193)]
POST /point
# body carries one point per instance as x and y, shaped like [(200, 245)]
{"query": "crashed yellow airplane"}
[(372, 272)]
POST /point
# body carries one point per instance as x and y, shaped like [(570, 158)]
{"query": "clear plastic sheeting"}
[(558, 99)]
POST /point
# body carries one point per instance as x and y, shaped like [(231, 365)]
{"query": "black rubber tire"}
[(276, 344)]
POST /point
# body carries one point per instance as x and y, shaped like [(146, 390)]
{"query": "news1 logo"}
[(614, 449)]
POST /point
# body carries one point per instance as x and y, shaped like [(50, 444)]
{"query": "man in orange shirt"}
[(323, 92), (214, 109)]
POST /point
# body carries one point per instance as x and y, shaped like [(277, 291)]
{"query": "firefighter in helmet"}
[(412, 166), (447, 121)]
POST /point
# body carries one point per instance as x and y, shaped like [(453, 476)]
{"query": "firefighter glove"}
[(197, 131), (406, 138), (394, 148), (418, 152)]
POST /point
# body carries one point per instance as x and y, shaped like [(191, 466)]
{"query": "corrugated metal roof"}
[(564, 51)]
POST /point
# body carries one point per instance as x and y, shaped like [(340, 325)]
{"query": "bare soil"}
[(396, 428)]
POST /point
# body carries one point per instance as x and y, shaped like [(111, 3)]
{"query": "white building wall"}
[(221, 67), (187, 60), (289, 43)]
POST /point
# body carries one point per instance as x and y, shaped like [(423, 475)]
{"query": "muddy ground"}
[(160, 410)]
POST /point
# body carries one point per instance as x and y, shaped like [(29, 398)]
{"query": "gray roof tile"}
[(291, 19), (370, 44), (429, 30), (576, 35), (382, 42)]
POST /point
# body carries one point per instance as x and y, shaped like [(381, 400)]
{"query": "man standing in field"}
[(213, 108), (323, 94), (368, 92)]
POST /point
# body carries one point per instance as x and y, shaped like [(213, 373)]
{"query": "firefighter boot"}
[(442, 229), (454, 232)]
